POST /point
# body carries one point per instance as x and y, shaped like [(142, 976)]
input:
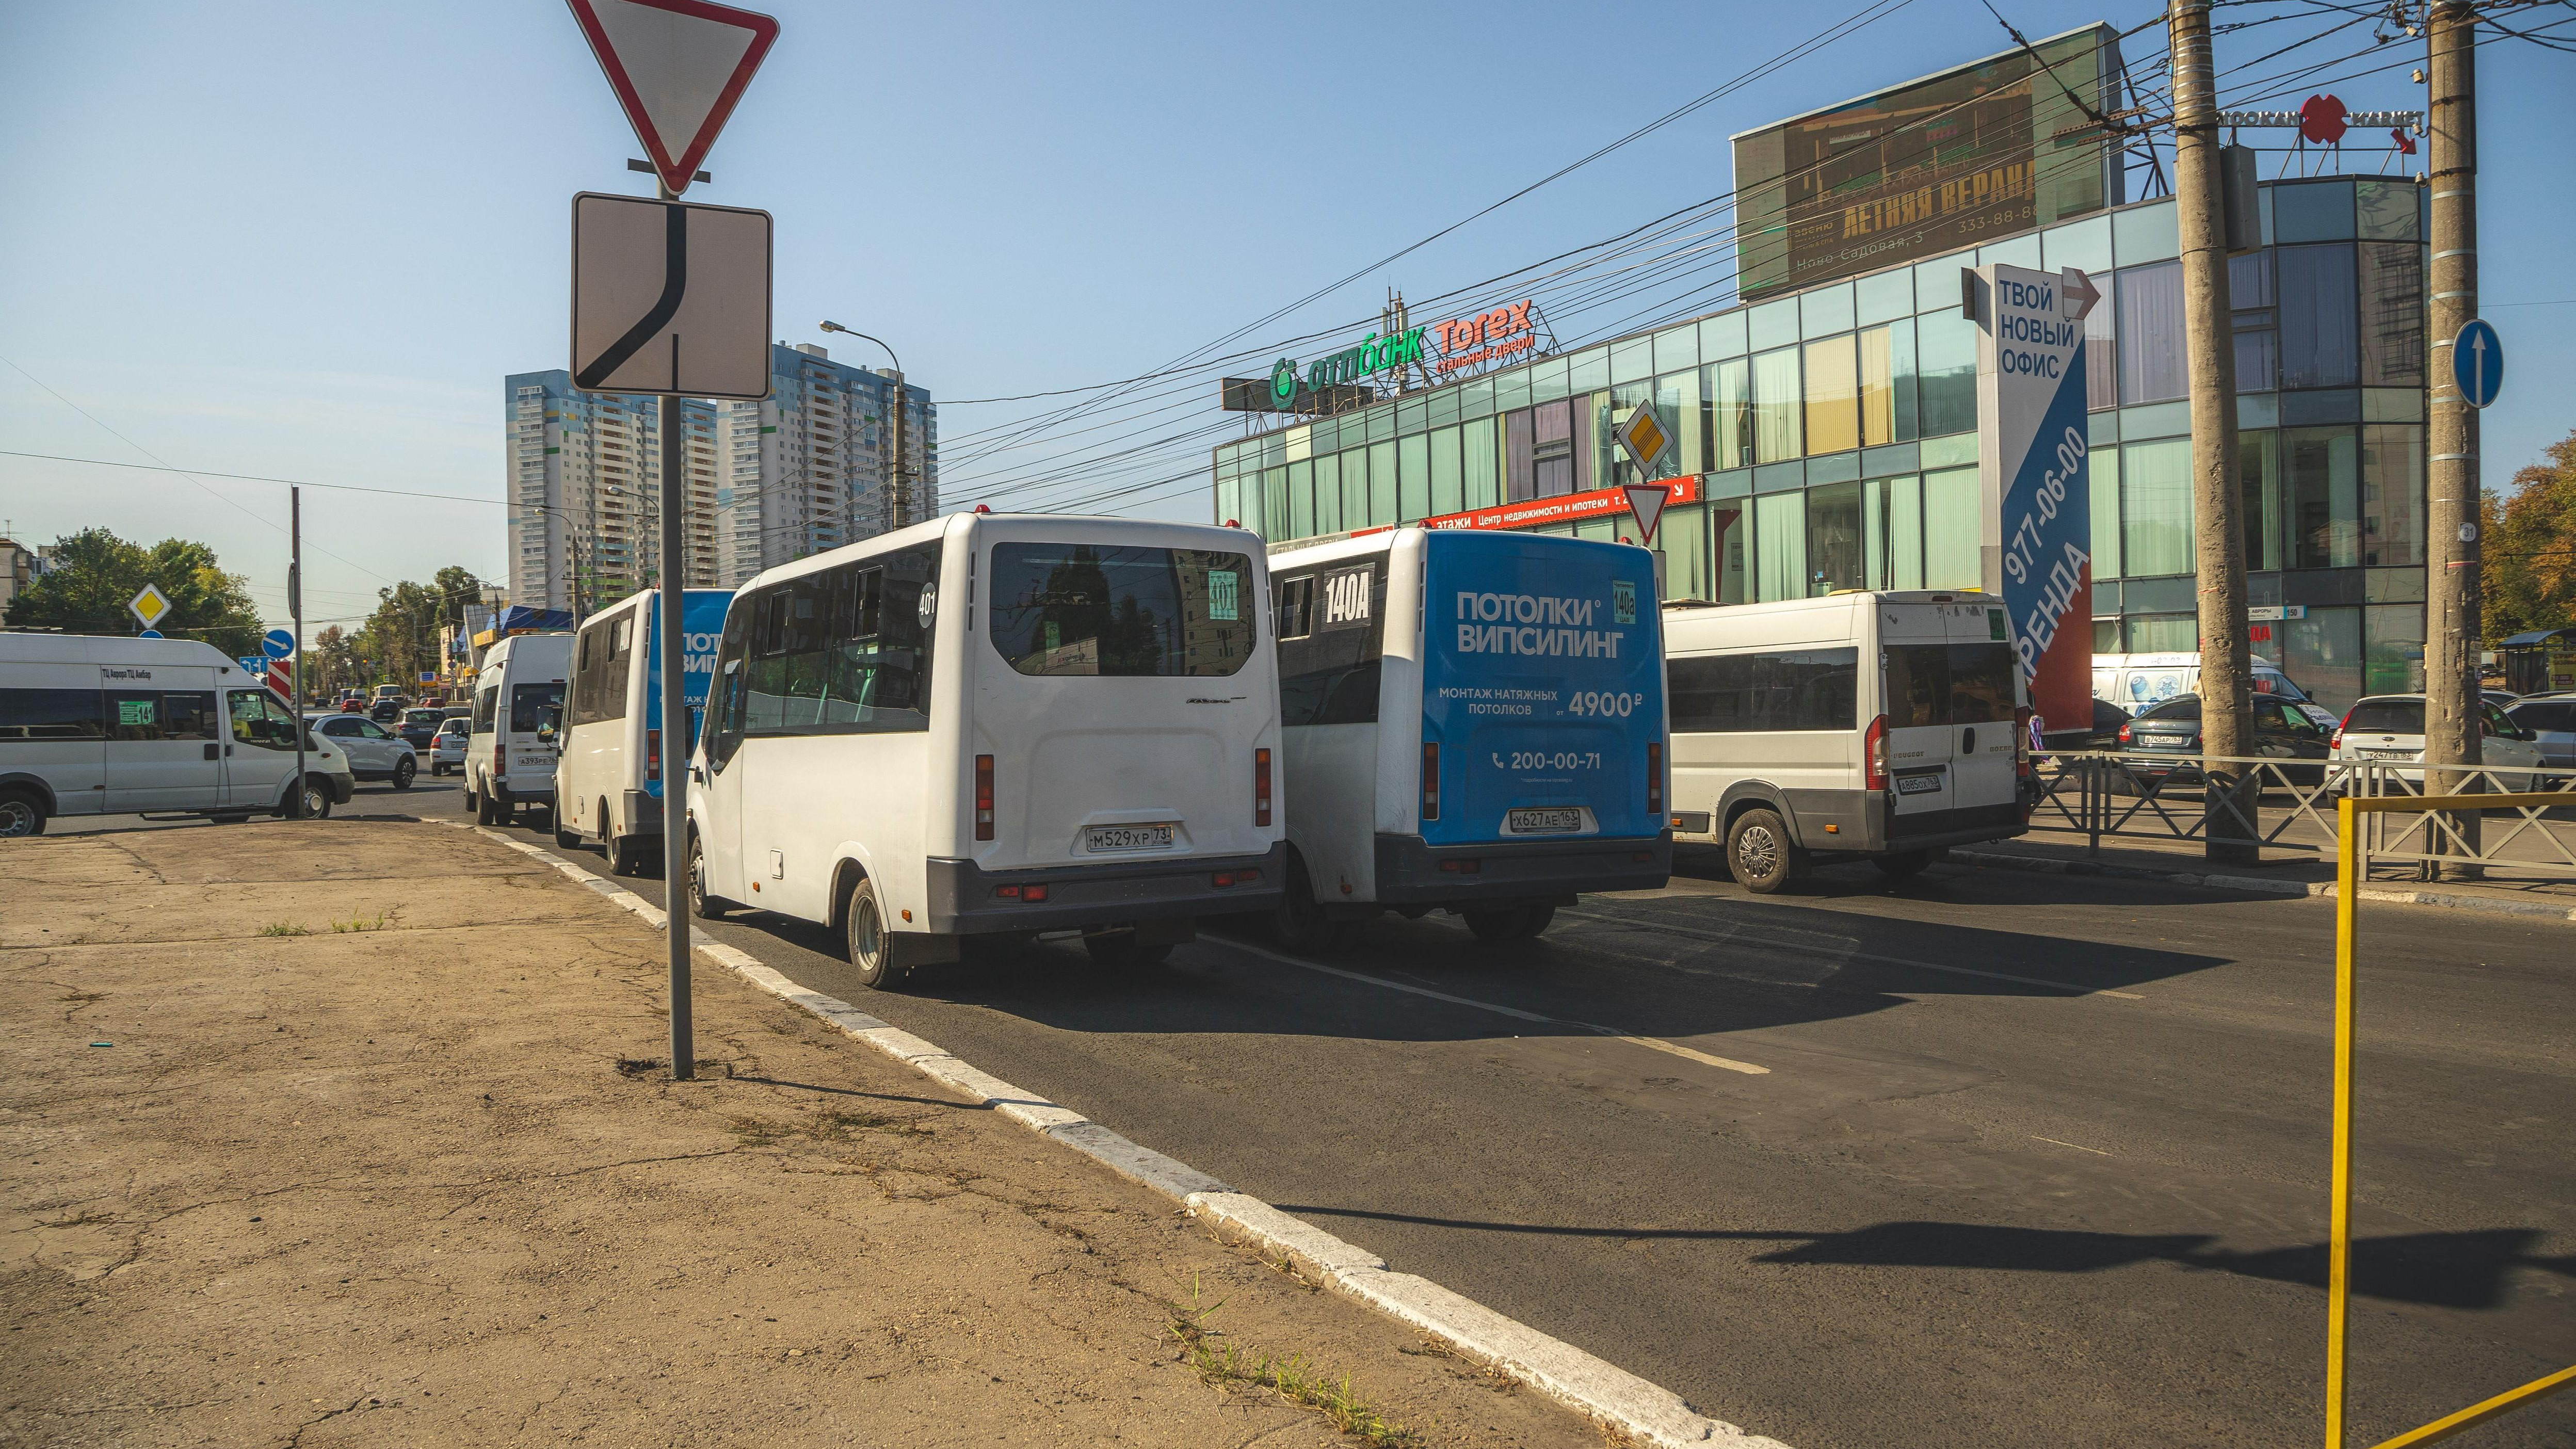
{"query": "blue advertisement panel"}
[(702, 615), (1542, 684), (2033, 444)]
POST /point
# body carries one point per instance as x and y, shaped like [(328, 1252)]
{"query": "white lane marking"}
[(1873, 958), (2053, 1142), (1649, 1042)]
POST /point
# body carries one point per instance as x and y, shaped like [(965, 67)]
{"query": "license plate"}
[(1545, 822), (1917, 784), (1126, 837), (2163, 742), (2388, 754)]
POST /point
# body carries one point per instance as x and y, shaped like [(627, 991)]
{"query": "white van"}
[(2140, 682), (101, 725), (518, 703), (996, 724), (1474, 723), (1878, 725), (608, 770)]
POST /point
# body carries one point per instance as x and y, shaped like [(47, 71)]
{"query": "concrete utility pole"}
[(295, 620), (2209, 343), (676, 742), (2451, 543)]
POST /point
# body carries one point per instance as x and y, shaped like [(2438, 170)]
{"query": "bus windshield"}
[(1079, 608)]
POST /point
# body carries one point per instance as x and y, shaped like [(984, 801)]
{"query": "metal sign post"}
[(673, 300)]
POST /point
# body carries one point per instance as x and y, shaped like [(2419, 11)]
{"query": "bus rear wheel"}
[(1758, 851), (871, 945), (1512, 923)]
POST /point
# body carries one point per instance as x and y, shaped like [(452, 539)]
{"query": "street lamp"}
[(902, 495)]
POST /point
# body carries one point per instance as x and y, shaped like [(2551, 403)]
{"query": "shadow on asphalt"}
[(2447, 1270), (1851, 880)]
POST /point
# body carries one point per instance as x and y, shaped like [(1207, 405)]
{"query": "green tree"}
[(96, 574), (2530, 553)]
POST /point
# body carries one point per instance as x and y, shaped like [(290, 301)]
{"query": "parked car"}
[(2385, 727), (2551, 719), (419, 724), (375, 753), (2283, 729), (447, 747)]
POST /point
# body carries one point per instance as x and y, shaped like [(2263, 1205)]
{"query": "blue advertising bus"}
[(1472, 722), (608, 773)]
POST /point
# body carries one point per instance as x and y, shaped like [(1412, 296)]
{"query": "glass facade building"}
[(1833, 436)]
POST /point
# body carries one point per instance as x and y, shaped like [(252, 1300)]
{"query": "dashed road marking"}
[(1718, 938)]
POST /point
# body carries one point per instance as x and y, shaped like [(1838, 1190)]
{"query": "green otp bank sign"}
[(1373, 355)]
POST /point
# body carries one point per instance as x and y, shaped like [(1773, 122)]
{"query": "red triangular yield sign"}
[(1646, 500), (677, 66)]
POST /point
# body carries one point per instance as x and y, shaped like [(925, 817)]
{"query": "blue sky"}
[(309, 240)]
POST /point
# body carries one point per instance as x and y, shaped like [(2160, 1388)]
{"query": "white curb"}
[(1646, 1412)]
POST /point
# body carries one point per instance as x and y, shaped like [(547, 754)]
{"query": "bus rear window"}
[(531, 705), (1948, 684), (1079, 608)]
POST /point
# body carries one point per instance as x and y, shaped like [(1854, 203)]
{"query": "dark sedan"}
[(2282, 730), (420, 726)]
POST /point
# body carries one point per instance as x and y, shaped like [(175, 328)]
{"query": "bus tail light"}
[(652, 754), (500, 754), (1873, 747), (1260, 787), (1430, 781), (983, 797), (1655, 778), (2021, 741)]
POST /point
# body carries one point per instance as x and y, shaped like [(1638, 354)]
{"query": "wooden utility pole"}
[(2209, 344), (2451, 544)]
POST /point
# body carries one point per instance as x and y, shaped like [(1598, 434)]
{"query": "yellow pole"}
[(2339, 1233)]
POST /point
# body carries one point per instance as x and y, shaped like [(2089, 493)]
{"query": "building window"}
[(1892, 521), (2320, 327), (1521, 468), (2394, 638), (1730, 414), (2150, 345), (2323, 653), (1448, 490), (1836, 557), (2321, 497), (2162, 633), (1775, 407), (1953, 530), (2258, 472), (2155, 503), (2392, 494), (1780, 526), (1552, 448), (1832, 396), (1877, 388), (1730, 538), (2392, 314), (1946, 352)]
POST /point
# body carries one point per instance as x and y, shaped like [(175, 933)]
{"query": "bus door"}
[(259, 758), (164, 750), (1949, 684), (1542, 690), (1118, 699)]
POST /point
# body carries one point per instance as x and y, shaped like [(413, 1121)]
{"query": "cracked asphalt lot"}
[(389, 1186)]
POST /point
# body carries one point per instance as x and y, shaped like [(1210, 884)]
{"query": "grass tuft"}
[(1295, 1377), (286, 928), (358, 923)]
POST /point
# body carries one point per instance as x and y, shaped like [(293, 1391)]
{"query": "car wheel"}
[(22, 812), (1119, 951), (1514, 923), (566, 838), (705, 907), (1757, 850), (309, 801), (871, 945), (1903, 865), (1298, 921), (404, 770)]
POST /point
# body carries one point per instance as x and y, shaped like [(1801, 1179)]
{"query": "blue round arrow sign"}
[(277, 643), (2477, 360)]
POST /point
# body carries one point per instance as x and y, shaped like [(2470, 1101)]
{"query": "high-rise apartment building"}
[(811, 467), (585, 493)]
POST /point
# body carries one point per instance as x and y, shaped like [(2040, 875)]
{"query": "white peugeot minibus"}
[(996, 724), (1474, 724), (96, 724), (608, 773), (1869, 725), (518, 704)]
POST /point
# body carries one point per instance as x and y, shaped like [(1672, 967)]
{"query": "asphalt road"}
[(2028, 1160)]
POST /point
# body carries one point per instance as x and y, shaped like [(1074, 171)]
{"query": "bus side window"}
[(1296, 607)]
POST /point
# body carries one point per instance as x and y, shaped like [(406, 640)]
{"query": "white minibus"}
[(608, 771), (995, 724), (1870, 725), (518, 703), (96, 724), (1474, 723), (2140, 682)]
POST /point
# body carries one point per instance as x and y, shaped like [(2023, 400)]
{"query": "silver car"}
[(2552, 723), (375, 752), (447, 747)]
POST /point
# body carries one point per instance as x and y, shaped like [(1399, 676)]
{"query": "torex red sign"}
[(1467, 342), (1564, 508)]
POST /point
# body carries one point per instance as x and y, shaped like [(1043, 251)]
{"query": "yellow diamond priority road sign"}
[(1644, 437), (151, 605)]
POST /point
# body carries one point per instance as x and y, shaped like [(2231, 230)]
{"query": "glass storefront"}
[(1833, 433)]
